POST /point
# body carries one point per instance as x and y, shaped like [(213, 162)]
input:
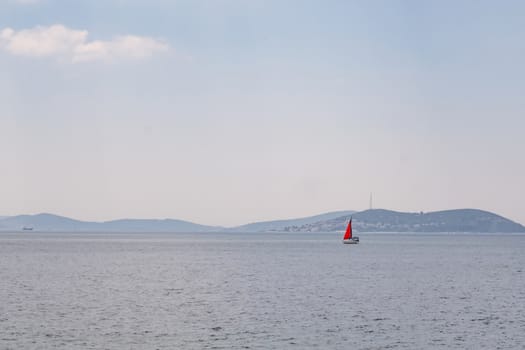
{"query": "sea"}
[(261, 291)]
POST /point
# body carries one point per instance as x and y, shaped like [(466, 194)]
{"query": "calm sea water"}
[(261, 291)]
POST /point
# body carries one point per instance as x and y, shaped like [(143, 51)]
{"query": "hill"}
[(50, 222), (381, 220), (280, 225)]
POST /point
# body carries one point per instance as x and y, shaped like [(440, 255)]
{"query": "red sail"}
[(348, 233)]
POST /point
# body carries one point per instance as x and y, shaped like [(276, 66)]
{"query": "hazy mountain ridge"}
[(51, 222), (376, 220), (381, 220), (164, 225), (280, 225)]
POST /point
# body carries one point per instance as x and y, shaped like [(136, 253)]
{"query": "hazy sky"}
[(227, 112)]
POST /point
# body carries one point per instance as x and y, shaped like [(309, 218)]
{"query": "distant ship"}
[(27, 228), (348, 237)]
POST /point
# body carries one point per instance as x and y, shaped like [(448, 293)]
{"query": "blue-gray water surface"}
[(261, 291)]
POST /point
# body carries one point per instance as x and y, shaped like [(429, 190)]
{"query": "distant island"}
[(381, 220), (54, 223), (374, 220)]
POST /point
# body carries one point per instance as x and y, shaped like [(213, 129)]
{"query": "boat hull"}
[(351, 241)]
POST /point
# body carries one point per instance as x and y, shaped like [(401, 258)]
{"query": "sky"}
[(225, 112)]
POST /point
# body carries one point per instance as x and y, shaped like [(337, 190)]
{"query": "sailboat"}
[(348, 237)]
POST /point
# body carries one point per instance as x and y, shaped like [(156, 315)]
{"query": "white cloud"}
[(73, 45), (43, 41), (128, 46)]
